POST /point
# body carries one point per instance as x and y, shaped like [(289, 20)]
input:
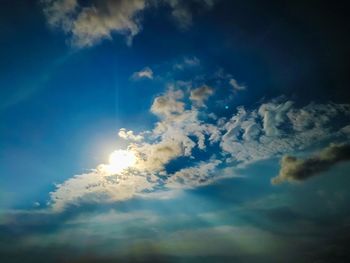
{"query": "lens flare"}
[(120, 160)]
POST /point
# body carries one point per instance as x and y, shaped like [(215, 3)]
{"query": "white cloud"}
[(88, 24), (129, 135), (144, 73), (274, 114), (169, 104), (276, 128), (201, 174), (95, 187), (153, 156), (270, 130), (171, 137), (199, 95)]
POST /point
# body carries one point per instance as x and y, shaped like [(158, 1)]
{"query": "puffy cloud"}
[(144, 73), (87, 25), (129, 135), (153, 156), (236, 86), (173, 136), (91, 22), (199, 95), (184, 130), (274, 114), (277, 128), (295, 169), (169, 104)]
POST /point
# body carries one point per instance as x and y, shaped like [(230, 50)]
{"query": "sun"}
[(120, 160)]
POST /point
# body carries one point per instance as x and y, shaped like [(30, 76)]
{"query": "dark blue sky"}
[(235, 114)]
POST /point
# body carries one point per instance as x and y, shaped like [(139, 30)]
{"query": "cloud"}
[(199, 95), (199, 175), (192, 61), (173, 136), (144, 73), (269, 131), (187, 62), (236, 86), (295, 169), (181, 10), (273, 116), (169, 104), (278, 127), (96, 187), (154, 156), (186, 134), (88, 23), (226, 79), (129, 135), (346, 130), (181, 13)]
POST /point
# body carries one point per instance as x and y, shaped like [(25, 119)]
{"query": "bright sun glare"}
[(120, 160)]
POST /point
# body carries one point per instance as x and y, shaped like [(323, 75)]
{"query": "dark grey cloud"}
[(122, 233), (296, 169)]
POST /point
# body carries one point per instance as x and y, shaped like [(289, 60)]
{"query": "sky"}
[(174, 131)]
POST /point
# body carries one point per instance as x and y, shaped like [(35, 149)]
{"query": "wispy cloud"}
[(236, 86), (145, 73), (187, 62)]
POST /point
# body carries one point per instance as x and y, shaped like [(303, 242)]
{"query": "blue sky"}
[(230, 123)]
